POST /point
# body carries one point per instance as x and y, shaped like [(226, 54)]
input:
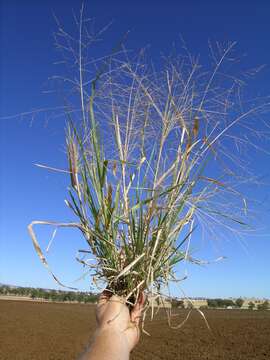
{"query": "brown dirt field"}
[(43, 331)]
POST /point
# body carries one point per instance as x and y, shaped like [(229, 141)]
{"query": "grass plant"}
[(154, 155)]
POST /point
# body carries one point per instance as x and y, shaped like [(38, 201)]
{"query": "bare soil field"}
[(44, 331)]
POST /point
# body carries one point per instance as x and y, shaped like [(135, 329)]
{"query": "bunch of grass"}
[(153, 156), (131, 212)]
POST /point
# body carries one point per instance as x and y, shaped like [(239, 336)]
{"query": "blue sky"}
[(30, 193)]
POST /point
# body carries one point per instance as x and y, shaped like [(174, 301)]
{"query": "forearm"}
[(108, 345)]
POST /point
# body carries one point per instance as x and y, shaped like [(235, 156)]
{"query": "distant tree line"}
[(48, 294), (263, 306), (224, 303), (85, 297)]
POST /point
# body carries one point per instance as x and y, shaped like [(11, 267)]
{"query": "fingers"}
[(136, 312), (109, 301), (112, 303), (142, 298)]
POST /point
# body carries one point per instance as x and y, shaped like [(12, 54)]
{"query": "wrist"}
[(109, 343)]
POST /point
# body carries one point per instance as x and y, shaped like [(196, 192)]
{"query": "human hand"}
[(113, 315)]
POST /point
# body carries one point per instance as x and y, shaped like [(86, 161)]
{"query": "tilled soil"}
[(46, 331), (234, 335)]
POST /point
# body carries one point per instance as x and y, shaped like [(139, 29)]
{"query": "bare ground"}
[(47, 331)]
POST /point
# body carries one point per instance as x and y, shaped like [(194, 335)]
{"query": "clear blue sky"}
[(30, 193)]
